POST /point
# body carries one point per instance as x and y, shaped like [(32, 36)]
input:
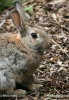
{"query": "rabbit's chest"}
[(29, 67), (33, 62)]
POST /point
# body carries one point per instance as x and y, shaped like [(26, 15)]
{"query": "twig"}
[(25, 3), (40, 71), (2, 23), (60, 47), (65, 28)]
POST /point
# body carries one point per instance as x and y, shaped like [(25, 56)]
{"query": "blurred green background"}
[(4, 4)]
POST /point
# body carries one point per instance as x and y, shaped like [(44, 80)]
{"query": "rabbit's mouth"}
[(39, 48)]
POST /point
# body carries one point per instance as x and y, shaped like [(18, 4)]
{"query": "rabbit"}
[(21, 54)]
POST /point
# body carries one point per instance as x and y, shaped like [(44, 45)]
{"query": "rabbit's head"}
[(33, 37)]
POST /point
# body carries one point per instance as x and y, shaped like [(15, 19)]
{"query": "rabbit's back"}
[(11, 49)]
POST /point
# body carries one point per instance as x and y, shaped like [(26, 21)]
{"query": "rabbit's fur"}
[(21, 54)]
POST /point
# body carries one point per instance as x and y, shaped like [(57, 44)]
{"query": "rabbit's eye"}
[(34, 35)]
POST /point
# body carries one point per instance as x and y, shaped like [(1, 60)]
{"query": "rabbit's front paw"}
[(34, 86), (20, 92), (36, 80)]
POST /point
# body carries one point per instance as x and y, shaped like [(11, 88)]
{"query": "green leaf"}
[(29, 8)]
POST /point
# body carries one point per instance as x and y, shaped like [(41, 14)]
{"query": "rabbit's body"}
[(16, 57), (20, 55)]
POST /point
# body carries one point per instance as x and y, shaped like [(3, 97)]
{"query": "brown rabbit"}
[(21, 54)]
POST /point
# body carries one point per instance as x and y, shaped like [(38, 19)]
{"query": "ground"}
[(53, 15)]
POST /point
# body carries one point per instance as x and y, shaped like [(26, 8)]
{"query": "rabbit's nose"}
[(50, 44)]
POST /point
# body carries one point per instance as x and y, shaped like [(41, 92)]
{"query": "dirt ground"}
[(53, 15)]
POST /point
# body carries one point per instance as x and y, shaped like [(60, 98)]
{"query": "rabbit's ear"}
[(20, 9), (17, 22)]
